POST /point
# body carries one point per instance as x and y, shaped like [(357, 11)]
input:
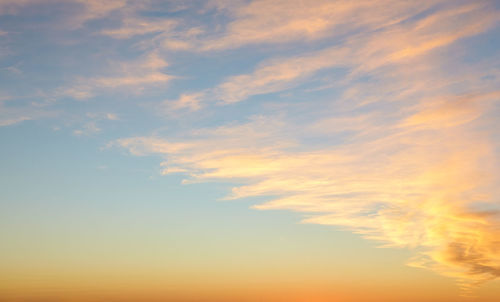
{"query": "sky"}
[(236, 150)]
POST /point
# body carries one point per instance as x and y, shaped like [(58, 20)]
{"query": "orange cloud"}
[(284, 21), (391, 46), (415, 171), (413, 184)]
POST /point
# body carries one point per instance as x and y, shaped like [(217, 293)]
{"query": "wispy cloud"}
[(91, 125), (87, 9), (415, 171), (413, 183), (11, 114), (136, 75), (95, 9), (286, 21), (190, 101), (394, 45), (134, 26), (7, 121), (87, 129)]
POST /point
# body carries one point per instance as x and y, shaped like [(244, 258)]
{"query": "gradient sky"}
[(234, 150)]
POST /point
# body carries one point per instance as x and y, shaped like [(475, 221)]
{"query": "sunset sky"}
[(236, 150)]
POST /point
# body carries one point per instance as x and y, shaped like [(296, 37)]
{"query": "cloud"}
[(87, 9), (278, 75), (112, 117), (91, 125), (12, 113), (6, 121), (270, 22), (133, 26), (190, 101), (392, 46), (13, 6), (407, 184), (95, 9), (146, 70), (261, 22), (415, 171), (88, 129), (450, 113), (137, 75), (285, 21)]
